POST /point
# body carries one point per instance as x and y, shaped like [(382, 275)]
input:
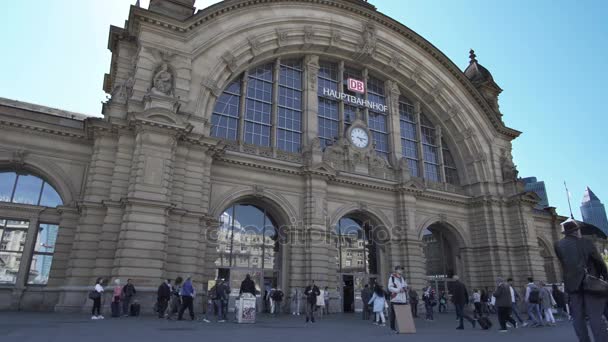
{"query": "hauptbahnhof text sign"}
[(357, 87)]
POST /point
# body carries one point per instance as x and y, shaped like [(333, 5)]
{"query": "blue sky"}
[(550, 58)]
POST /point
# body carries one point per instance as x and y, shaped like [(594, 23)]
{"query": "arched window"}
[(28, 189), (272, 105), (24, 188)]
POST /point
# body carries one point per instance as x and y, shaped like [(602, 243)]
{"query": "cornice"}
[(365, 10), (43, 131)]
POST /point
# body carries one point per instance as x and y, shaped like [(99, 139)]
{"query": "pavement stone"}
[(56, 327)]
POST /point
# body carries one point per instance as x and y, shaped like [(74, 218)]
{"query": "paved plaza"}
[(24, 327)]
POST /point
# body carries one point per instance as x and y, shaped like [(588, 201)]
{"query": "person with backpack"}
[(413, 297), (397, 289), (115, 306), (533, 301), (128, 292), (277, 299), (95, 295), (429, 302), (187, 294), (163, 295), (378, 302), (503, 302)]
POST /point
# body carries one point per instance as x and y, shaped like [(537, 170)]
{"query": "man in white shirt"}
[(397, 287)]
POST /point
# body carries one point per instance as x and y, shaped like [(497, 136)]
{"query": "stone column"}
[(406, 245), (393, 121), (310, 100)]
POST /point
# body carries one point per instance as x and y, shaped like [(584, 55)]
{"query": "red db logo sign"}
[(356, 86)]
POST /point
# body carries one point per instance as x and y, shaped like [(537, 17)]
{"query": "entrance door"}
[(348, 294)]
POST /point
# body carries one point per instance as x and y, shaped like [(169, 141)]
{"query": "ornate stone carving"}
[(395, 61), (258, 190), (415, 76), (211, 84), (254, 45), (123, 91), (309, 35), (162, 82), (281, 37), (230, 61), (335, 38), (434, 93), (312, 65), (508, 169), (368, 42)]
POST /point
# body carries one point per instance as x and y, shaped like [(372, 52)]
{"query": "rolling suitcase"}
[(115, 309), (484, 323), (134, 309)]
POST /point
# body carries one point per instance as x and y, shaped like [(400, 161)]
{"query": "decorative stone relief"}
[(162, 82), (395, 61), (309, 35), (335, 37), (211, 84), (341, 156), (124, 90), (281, 37), (254, 45), (508, 169), (230, 61), (368, 42), (415, 76), (312, 64), (258, 191), (434, 93)]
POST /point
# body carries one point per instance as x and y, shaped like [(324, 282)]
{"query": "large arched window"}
[(269, 113), (26, 189)]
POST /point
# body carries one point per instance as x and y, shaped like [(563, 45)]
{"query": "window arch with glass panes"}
[(27, 190), (263, 107), (426, 152)]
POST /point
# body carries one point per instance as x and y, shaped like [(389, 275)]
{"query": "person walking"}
[(224, 298), (311, 292), (477, 303), (460, 298), (326, 300), (296, 300), (579, 257), (187, 295), (96, 295), (515, 299), (533, 302), (443, 302), (504, 303), (277, 300), (547, 302), (366, 295), (413, 297), (429, 302), (176, 301), (560, 302), (397, 288), (320, 302), (163, 295), (378, 302), (128, 292)]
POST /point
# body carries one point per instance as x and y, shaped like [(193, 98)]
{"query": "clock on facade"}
[(359, 137)]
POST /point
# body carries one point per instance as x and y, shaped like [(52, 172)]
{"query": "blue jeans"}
[(534, 313), (429, 310)]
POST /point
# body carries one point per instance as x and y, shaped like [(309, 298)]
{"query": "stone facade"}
[(143, 188)]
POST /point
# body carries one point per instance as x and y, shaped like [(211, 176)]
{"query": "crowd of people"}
[(583, 301)]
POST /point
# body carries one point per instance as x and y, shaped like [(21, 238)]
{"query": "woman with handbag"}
[(95, 295)]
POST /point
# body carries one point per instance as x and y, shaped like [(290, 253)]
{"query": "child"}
[(379, 301)]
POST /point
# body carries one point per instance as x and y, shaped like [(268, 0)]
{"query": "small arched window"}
[(25, 188)]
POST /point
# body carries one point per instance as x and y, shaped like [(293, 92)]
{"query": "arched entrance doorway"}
[(440, 248), (248, 243), (358, 253), (545, 253)]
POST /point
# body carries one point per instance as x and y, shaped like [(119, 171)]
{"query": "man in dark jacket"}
[(577, 255), (162, 297), (222, 298), (366, 295), (460, 298), (248, 286), (128, 292), (311, 292), (504, 303)]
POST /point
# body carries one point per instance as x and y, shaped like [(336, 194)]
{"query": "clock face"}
[(359, 137)]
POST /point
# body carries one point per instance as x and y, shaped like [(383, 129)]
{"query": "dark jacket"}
[(366, 295), (247, 286), (560, 299), (164, 291), (460, 296), (222, 291), (575, 255), (503, 296), (128, 290), (311, 294), (413, 296)]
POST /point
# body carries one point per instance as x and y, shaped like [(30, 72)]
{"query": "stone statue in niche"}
[(162, 83)]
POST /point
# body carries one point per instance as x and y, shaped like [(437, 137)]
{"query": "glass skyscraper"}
[(593, 211)]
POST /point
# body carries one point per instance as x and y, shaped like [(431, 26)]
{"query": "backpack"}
[(213, 293), (94, 295), (534, 296)]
